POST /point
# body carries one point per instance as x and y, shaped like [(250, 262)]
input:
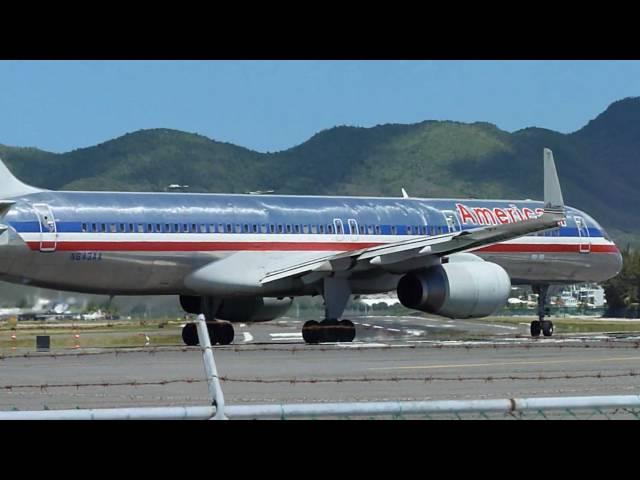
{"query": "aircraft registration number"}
[(86, 256)]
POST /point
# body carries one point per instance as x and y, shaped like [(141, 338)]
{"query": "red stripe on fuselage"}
[(296, 246)]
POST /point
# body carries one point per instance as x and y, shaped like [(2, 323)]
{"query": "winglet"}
[(552, 192)]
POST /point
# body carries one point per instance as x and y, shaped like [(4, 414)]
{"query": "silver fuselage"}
[(147, 243)]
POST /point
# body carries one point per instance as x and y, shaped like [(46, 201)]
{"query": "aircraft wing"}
[(402, 256), (403, 252)]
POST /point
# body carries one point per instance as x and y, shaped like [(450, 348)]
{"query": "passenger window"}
[(272, 228), (394, 230), (123, 227), (167, 228), (339, 228), (194, 228), (140, 228), (212, 228), (305, 228), (131, 229), (288, 228), (104, 227), (246, 228), (159, 227), (408, 229), (377, 229), (263, 228), (238, 228), (362, 229), (329, 228), (321, 227), (280, 228), (296, 228), (370, 229), (255, 228), (150, 228), (314, 229), (185, 228), (112, 228), (84, 227)]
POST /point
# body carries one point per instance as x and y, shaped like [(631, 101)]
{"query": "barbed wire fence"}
[(602, 407)]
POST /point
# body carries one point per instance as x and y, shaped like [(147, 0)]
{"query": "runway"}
[(407, 358)]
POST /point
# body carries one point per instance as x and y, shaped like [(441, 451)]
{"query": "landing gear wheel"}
[(214, 333), (220, 332), (225, 333), (346, 331), (535, 328), (310, 331), (190, 334), (329, 330), (547, 328)]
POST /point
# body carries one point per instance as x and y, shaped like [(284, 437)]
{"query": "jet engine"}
[(456, 290), (251, 309)]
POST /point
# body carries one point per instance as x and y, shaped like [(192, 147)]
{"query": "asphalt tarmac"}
[(406, 358)]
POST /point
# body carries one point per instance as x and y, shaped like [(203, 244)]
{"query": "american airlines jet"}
[(243, 258)]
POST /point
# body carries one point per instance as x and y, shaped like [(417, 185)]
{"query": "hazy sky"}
[(273, 105)]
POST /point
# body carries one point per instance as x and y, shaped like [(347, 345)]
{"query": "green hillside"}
[(598, 165)]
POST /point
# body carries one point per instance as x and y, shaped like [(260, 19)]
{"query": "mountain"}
[(598, 164)]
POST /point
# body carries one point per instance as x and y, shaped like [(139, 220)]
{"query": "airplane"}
[(38, 308), (243, 258)]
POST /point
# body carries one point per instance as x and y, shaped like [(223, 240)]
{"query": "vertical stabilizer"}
[(10, 186), (552, 192)]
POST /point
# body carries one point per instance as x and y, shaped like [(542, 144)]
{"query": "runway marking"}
[(498, 364), (393, 329), (247, 337), (287, 335), (361, 345)]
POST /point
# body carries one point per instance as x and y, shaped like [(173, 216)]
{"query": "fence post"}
[(215, 390)]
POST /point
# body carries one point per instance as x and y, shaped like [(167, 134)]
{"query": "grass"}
[(92, 335)]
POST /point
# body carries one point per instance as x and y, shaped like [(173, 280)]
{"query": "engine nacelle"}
[(250, 309), (456, 290)]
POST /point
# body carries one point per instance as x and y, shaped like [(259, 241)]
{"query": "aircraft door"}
[(48, 229), (353, 229), (583, 234), (339, 228), (453, 222)]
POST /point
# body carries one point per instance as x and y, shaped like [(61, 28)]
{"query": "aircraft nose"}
[(616, 262)]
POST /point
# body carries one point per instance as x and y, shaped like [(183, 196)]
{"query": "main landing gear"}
[(328, 331), (220, 332), (336, 293), (542, 325)]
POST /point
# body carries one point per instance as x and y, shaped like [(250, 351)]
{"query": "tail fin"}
[(552, 192), (10, 186)]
